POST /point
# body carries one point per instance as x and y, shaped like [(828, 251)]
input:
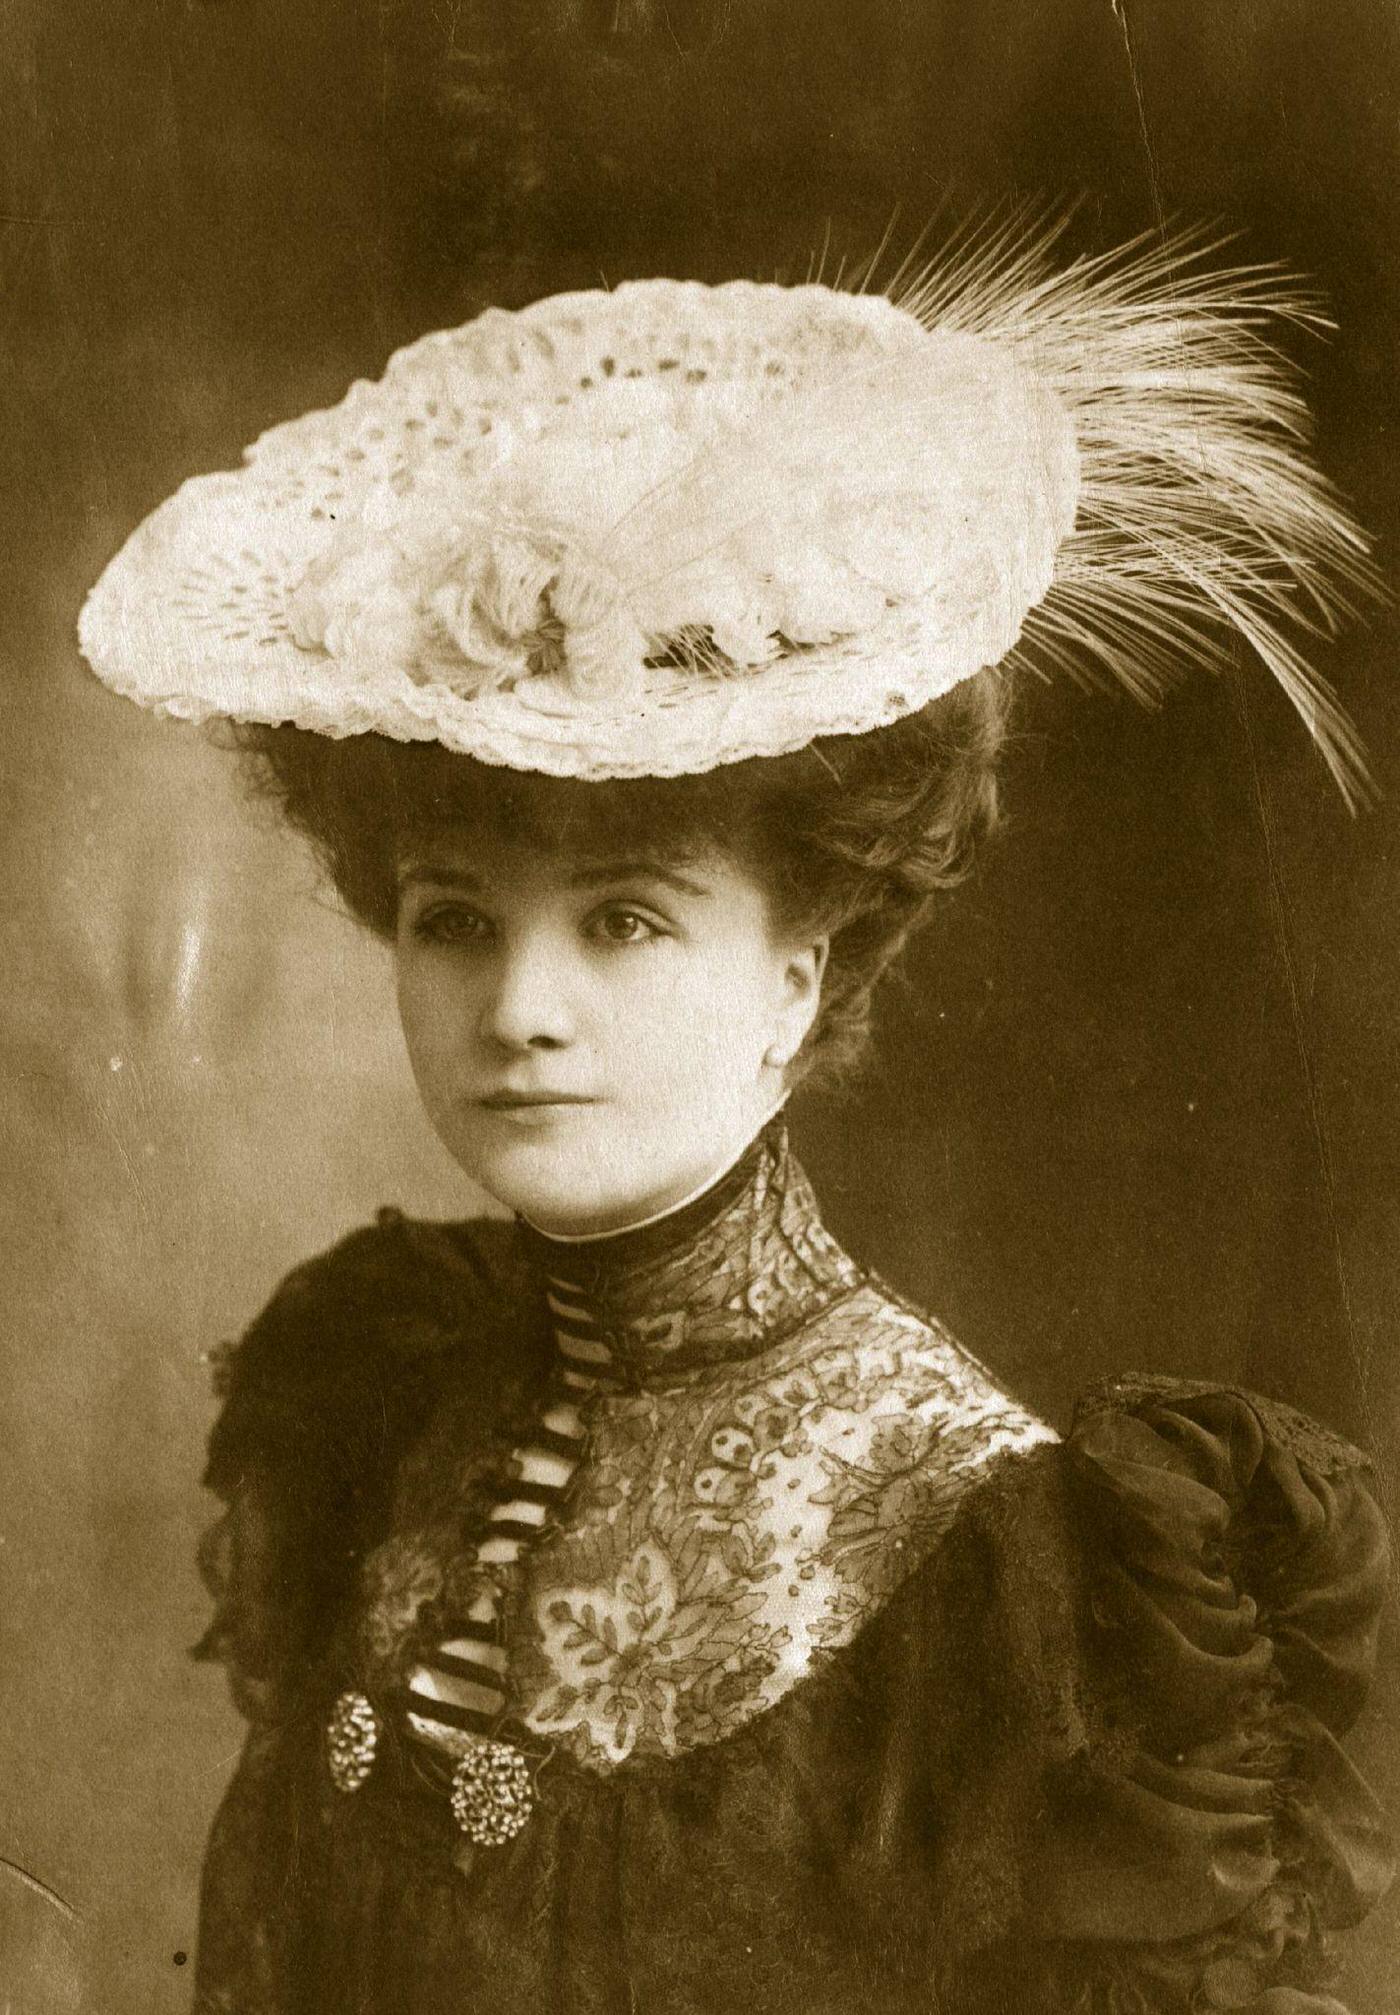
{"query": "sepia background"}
[(1138, 1101)]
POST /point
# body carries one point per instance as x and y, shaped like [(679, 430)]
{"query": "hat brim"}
[(193, 617)]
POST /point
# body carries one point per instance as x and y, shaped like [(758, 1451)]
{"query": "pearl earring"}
[(775, 1056)]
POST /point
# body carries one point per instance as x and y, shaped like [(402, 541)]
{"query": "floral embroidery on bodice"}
[(773, 1442), (727, 1534)]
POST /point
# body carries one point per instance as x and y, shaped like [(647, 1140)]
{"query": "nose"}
[(527, 1004)]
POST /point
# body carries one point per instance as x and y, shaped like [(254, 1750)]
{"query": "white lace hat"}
[(659, 528)]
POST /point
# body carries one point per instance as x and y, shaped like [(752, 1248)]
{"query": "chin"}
[(594, 1171), (553, 1183)]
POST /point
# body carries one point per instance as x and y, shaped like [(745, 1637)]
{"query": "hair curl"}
[(851, 838)]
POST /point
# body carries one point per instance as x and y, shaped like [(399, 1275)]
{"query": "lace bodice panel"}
[(773, 1443), (727, 1535)]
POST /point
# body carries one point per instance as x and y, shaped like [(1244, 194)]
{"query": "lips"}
[(519, 1101)]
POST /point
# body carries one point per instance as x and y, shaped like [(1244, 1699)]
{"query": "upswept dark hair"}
[(851, 838)]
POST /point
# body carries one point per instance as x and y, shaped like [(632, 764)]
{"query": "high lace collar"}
[(718, 1281)]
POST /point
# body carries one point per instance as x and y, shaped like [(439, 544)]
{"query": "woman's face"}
[(594, 1038)]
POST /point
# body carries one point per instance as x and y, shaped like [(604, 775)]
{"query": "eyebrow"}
[(597, 874), (603, 872)]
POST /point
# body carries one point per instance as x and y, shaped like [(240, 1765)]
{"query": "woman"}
[(636, 1604)]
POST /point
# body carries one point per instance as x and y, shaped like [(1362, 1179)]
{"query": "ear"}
[(801, 997)]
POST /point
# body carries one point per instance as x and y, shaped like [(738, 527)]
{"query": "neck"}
[(717, 1277)]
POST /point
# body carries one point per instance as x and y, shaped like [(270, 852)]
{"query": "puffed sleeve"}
[(1201, 1848)]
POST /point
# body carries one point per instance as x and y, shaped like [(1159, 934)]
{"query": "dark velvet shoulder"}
[(322, 1396), (353, 1340)]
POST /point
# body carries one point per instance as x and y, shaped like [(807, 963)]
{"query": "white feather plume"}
[(1199, 519)]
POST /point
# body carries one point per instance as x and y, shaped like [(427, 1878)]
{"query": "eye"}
[(451, 924), (619, 925)]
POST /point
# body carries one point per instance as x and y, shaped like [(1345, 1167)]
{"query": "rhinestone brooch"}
[(352, 1738), (493, 1794)]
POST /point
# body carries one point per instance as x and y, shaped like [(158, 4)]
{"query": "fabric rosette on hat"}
[(669, 526)]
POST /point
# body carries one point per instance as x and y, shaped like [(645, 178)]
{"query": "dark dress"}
[(844, 1685)]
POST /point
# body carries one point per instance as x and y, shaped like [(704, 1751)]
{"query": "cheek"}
[(435, 1018), (700, 1024)]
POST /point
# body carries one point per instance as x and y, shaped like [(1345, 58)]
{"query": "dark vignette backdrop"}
[(1137, 1102)]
